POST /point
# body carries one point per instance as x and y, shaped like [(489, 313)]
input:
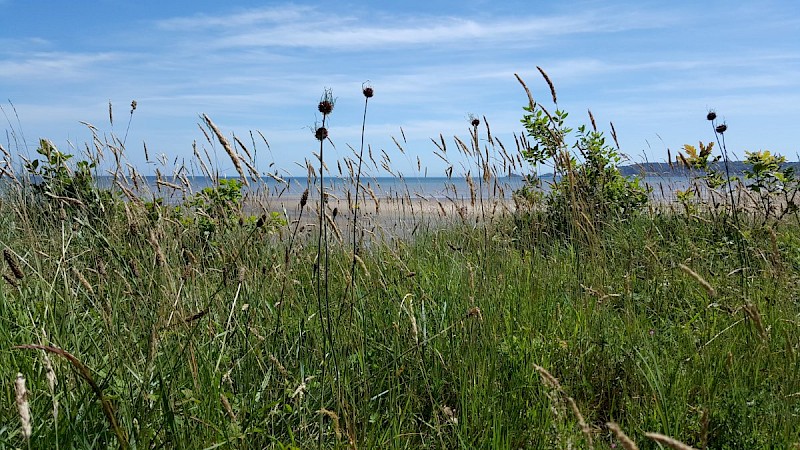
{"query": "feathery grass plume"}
[(585, 429), (84, 282), (705, 284), (549, 84), (531, 103), (361, 264), (134, 267), (332, 224), (335, 419), (161, 260), (476, 313), (614, 134), (243, 147), (52, 381), (281, 369), (226, 145), (411, 317), (547, 378), (472, 194), (23, 406), (591, 118), (627, 443), (304, 199), (86, 374), (253, 171), (227, 405), (199, 159), (12, 264), (669, 442), (752, 312)]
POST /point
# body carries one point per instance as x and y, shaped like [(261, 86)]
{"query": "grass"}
[(479, 331)]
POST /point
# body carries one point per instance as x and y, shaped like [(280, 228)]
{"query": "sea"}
[(430, 188)]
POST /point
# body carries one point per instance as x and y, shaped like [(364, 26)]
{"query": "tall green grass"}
[(473, 330)]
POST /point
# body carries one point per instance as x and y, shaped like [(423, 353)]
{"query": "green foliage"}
[(774, 185), (703, 162), (220, 207), (588, 184), (55, 180)]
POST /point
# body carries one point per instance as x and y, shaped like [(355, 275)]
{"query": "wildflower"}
[(721, 128), (711, 115), (322, 132)]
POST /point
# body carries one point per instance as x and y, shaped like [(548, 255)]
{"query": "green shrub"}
[(587, 187), (53, 180)]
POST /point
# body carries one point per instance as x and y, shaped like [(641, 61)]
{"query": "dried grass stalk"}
[(627, 443), (23, 406), (85, 373), (335, 419), (669, 442), (706, 285), (12, 264), (581, 422), (84, 282), (228, 149), (549, 84)]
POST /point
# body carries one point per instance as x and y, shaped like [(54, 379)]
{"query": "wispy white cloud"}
[(310, 28), (265, 69), (53, 65)]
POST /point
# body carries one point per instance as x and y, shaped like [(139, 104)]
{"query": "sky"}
[(653, 68)]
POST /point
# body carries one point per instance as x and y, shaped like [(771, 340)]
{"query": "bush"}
[(587, 187), (53, 180)]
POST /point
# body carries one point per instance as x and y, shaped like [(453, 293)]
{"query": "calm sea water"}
[(439, 188)]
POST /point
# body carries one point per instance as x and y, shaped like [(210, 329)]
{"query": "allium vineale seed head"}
[(475, 122), (711, 115), (721, 128), (321, 133)]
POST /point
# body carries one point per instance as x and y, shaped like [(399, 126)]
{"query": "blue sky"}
[(654, 68)]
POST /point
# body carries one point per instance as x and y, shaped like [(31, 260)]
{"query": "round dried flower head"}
[(325, 107), (133, 105), (721, 128), (321, 133), (366, 89), (711, 115), (475, 122)]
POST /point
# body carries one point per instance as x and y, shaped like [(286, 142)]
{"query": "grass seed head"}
[(304, 199), (12, 264), (668, 441), (627, 443), (23, 406)]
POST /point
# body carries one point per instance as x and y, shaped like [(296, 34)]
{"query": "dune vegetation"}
[(585, 313)]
